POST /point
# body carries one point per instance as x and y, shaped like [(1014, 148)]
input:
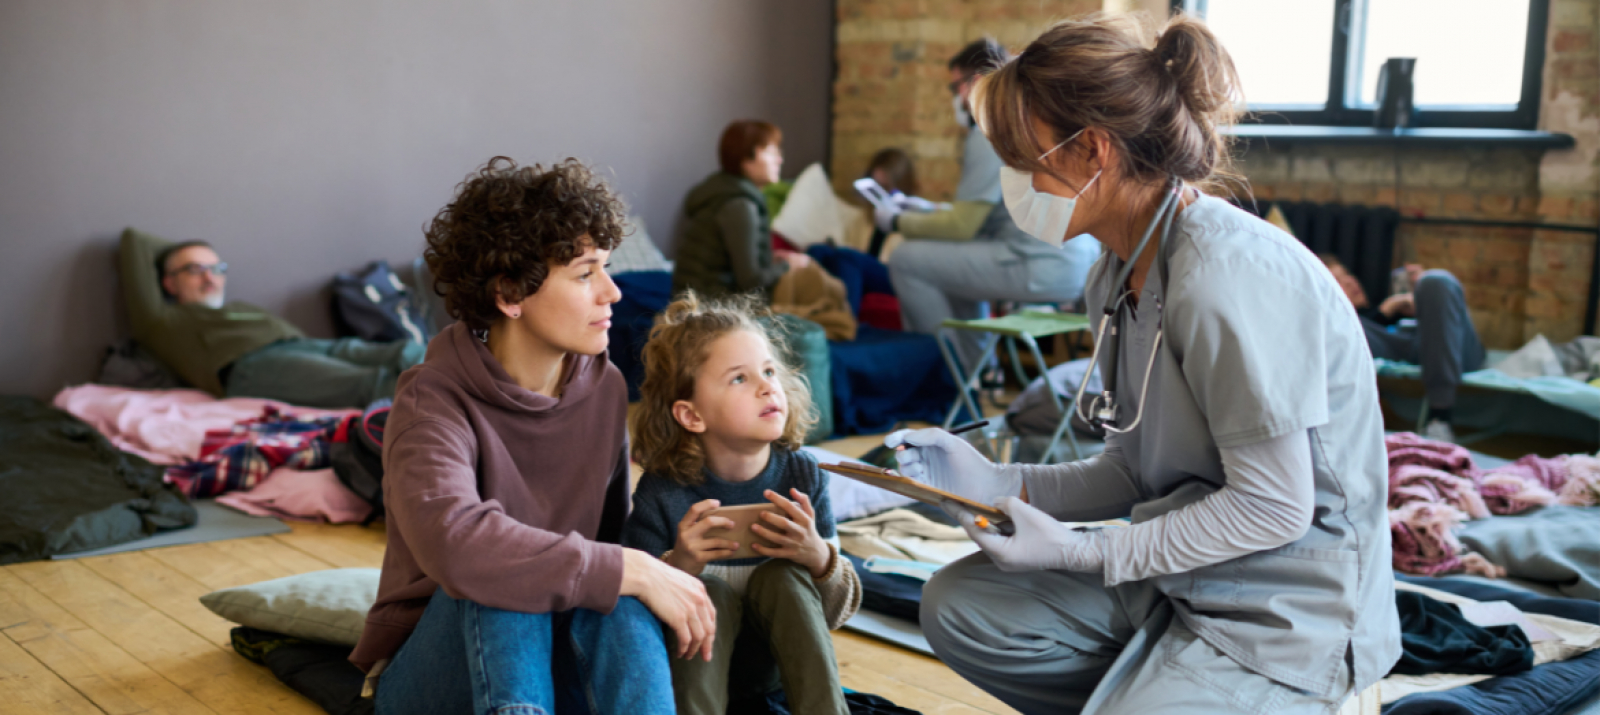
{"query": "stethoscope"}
[(1103, 407)]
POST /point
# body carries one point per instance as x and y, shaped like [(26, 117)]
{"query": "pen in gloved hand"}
[(1005, 528), (958, 429), (968, 427)]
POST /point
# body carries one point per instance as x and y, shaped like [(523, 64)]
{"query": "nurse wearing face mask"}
[(1244, 439), (955, 261)]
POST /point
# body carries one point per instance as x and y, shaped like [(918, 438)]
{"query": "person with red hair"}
[(726, 246)]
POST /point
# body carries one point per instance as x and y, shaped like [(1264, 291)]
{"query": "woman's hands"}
[(694, 549), (677, 599), (796, 536)]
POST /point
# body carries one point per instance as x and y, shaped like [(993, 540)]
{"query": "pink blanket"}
[(165, 426), (1434, 486), (312, 495)]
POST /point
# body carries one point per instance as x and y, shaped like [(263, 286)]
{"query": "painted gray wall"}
[(304, 137)]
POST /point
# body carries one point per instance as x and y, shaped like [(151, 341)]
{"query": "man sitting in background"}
[(175, 298), (1443, 341), (977, 254)]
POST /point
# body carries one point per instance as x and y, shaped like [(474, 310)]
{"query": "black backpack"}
[(372, 304), (129, 364), (358, 461)]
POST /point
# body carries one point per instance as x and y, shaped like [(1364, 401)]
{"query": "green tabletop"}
[(1035, 323)]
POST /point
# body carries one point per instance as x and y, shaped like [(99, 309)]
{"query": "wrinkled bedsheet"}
[(1558, 546)]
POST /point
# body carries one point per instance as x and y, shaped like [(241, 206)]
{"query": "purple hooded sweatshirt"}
[(503, 496)]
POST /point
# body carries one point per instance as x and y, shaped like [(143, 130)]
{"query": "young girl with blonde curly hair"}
[(721, 423)]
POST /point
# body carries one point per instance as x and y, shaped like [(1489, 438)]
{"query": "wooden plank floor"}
[(126, 633)]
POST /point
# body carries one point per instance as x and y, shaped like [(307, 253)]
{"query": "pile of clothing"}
[(262, 457), (241, 456), (1434, 487)]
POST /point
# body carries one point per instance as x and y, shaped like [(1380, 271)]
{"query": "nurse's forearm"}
[(1093, 489), (1267, 503)]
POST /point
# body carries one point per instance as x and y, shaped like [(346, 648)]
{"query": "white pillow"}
[(811, 213), (1536, 359), (328, 606)]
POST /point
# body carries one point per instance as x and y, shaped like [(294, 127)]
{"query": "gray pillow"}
[(328, 606), (637, 252)]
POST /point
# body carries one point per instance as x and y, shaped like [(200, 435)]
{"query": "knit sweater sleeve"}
[(806, 475), (648, 528), (840, 589)]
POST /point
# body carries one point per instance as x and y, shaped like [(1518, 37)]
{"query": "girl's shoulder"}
[(804, 472)]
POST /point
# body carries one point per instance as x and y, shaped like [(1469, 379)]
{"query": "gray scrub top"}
[(980, 169), (1260, 343)]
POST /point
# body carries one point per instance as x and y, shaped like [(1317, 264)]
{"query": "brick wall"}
[(891, 89), (1501, 184), (891, 92), (1519, 282)]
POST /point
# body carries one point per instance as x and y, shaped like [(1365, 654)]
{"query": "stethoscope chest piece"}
[(1102, 409)]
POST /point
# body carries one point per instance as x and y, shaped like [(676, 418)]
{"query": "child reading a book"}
[(720, 423)]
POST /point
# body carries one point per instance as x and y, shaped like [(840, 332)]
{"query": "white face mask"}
[(1042, 215), (963, 115)]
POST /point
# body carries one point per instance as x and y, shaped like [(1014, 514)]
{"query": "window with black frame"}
[(1316, 62)]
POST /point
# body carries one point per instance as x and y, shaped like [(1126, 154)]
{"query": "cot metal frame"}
[(1010, 329)]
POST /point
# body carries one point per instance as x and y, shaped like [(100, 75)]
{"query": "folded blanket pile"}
[(1434, 487)]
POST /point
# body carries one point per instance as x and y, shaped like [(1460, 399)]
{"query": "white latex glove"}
[(883, 216), (944, 461), (915, 203), (1039, 542)]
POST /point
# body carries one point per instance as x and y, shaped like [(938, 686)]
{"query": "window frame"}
[(1337, 113)]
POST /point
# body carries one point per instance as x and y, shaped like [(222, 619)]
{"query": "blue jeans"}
[(1444, 342), (468, 658)]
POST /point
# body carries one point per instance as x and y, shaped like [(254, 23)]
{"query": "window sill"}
[(1423, 137)]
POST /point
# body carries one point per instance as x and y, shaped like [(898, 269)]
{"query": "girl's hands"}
[(693, 549), (796, 536)]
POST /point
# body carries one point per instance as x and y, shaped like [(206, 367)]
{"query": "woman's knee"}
[(630, 623), (631, 609)]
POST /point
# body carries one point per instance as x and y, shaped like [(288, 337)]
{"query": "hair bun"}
[(1205, 74)]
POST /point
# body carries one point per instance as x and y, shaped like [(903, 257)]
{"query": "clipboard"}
[(887, 479)]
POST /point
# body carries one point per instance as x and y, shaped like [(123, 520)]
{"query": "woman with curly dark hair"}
[(506, 476)]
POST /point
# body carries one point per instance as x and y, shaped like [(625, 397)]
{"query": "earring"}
[(516, 314)]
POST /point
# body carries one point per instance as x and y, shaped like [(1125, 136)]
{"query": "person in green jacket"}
[(726, 247), (175, 293)]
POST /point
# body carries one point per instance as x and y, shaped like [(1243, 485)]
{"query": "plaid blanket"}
[(241, 456)]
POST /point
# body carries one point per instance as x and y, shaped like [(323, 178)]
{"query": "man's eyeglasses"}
[(955, 87), (195, 270)]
